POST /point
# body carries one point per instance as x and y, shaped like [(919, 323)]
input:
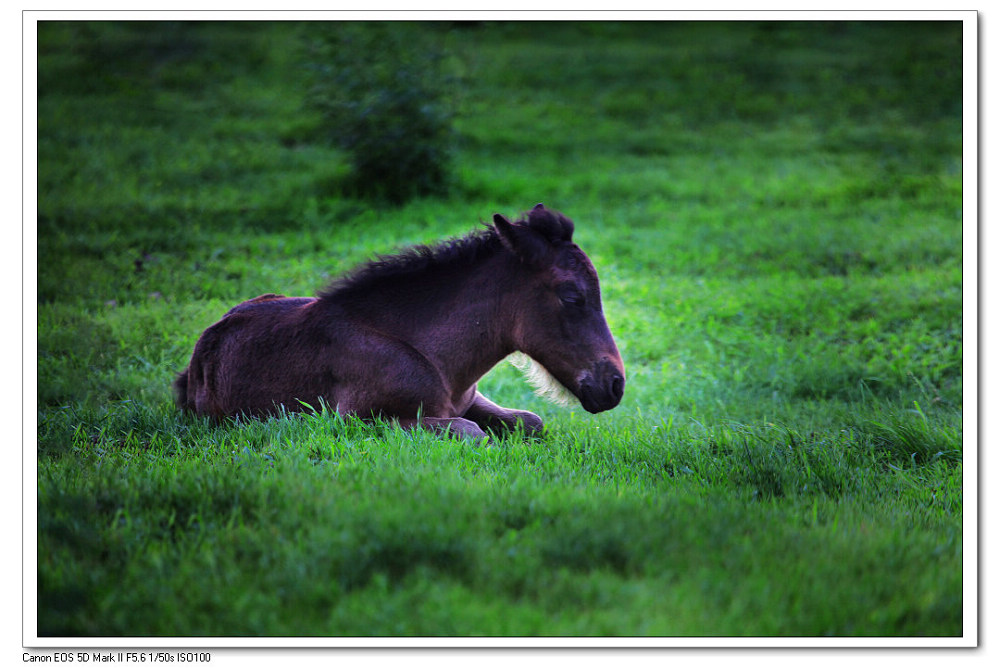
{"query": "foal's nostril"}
[(617, 387)]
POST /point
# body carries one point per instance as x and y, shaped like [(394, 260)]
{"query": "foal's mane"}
[(413, 262)]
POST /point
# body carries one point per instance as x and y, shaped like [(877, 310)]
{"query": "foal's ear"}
[(527, 244)]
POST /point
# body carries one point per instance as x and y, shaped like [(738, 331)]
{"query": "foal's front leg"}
[(488, 415), (458, 426)]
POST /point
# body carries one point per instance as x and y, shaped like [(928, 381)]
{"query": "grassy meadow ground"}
[(775, 213)]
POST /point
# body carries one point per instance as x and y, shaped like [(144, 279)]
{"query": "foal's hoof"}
[(529, 422), (466, 429)]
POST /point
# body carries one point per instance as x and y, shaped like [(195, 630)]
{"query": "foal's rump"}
[(239, 362), (270, 303), (276, 351)]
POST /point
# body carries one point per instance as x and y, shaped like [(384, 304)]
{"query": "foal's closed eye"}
[(571, 296)]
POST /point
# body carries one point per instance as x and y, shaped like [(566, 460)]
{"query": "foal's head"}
[(560, 321)]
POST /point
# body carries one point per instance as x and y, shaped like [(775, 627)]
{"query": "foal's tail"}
[(181, 390)]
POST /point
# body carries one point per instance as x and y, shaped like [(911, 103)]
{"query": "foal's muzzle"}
[(602, 388)]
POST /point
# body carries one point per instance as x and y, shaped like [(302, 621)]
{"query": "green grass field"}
[(775, 211)]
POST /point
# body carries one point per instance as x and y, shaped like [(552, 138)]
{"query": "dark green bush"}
[(385, 97)]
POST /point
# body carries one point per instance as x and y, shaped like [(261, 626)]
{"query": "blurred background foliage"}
[(388, 101)]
